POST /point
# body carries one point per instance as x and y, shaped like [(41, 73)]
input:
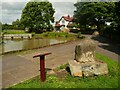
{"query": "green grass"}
[(106, 81), (15, 32), (58, 35)]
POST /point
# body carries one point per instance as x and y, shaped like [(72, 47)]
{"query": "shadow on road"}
[(107, 44)]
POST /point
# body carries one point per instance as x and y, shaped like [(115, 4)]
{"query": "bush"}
[(87, 31), (110, 33), (74, 30), (55, 34)]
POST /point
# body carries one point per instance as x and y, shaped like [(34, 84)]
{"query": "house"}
[(63, 22)]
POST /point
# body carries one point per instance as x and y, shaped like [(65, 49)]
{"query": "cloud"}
[(0, 11), (39, 0), (15, 1), (13, 5), (9, 18), (12, 10), (73, 1), (63, 8)]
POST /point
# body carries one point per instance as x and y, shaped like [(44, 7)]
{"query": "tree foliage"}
[(6, 26), (117, 14), (17, 25), (37, 16), (98, 14), (94, 13)]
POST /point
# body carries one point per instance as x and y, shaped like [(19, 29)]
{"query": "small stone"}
[(96, 33), (51, 72)]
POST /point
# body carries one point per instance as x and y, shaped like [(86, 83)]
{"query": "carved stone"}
[(85, 51), (85, 63)]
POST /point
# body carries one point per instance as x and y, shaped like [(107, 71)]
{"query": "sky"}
[(12, 9)]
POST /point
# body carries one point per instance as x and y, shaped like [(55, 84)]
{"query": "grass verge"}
[(106, 81), (61, 35), (16, 32)]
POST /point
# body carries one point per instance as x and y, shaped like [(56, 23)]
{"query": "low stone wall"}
[(14, 36)]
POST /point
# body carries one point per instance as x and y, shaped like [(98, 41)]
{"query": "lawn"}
[(106, 81), (58, 35), (14, 31)]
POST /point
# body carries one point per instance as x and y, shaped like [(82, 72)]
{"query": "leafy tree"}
[(113, 30), (37, 16), (94, 13), (17, 25), (117, 14), (6, 26)]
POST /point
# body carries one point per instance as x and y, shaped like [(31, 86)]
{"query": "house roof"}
[(58, 25), (67, 18)]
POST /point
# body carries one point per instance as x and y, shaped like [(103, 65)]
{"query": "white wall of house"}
[(63, 22)]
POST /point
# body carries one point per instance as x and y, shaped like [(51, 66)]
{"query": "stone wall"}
[(12, 36)]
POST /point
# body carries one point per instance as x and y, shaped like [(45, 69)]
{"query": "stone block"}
[(85, 51)]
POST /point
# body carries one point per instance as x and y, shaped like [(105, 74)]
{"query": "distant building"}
[(63, 22)]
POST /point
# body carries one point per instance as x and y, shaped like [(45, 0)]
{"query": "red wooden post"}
[(42, 65)]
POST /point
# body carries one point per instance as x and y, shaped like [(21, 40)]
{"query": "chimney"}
[(68, 15)]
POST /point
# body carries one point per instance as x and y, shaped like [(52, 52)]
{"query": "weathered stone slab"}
[(75, 68), (88, 69), (97, 68), (85, 51)]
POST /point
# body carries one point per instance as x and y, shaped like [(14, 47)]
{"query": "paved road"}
[(17, 68)]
